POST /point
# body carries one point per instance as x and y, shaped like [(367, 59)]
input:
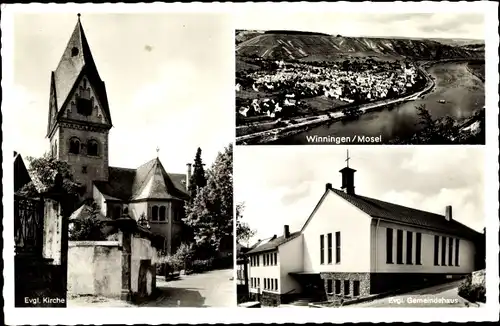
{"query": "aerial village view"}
[(296, 87)]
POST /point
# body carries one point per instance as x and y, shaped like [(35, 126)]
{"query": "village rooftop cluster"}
[(345, 82)]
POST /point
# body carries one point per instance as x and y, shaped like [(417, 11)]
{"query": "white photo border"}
[(71, 316)]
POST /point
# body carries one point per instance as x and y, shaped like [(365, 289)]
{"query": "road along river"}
[(455, 85)]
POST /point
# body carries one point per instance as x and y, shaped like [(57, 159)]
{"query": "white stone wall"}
[(335, 214), (291, 260), (95, 268)]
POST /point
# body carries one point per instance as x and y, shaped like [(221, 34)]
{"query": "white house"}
[(353, 246)]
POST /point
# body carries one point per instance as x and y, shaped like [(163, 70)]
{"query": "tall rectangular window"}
[(388, 245), (258, 282), (409, 247), (276, 284), (322, 249), (450, 251), (337, 247), (399, 246), (443, 251), (418, 249), (329, 286), (436, 250), (329, 248), (347, 286), (457, 251), (355, 289), (275, 258), (337, 286)]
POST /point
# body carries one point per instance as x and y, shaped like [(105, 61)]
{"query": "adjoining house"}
[(355, 246)]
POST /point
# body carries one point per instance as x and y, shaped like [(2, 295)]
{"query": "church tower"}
[(79, 117)]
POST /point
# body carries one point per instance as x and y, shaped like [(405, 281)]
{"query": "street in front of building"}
[(210, 289)]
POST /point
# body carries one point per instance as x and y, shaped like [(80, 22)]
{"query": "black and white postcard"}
[(124, 126)]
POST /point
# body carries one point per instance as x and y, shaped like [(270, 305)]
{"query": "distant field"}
[(242, 65), (322, 103)]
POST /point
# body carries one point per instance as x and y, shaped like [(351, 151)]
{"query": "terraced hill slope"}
[(292, 46)]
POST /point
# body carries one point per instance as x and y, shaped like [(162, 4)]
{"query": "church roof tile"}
[(402, 214), (271, 244), (149, 181)]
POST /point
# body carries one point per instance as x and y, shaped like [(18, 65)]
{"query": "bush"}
[(89, 227), (200, 266), (223, 262), (472, 292), (168, 265)]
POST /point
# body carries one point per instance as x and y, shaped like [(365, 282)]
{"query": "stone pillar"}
[(126, 265), (127, 226)]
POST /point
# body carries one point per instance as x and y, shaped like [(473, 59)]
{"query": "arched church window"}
[(117, 212), (154, 213), (162, 213), (125, 211), (74, 51), (92, 148), (74, 146)]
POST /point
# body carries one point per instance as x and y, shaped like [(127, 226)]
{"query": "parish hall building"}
[(354, 246)]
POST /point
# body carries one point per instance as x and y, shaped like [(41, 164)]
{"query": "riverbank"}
[(297, 126)]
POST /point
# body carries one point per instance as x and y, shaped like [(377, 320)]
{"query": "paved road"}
[(210, 289), (444, 295)]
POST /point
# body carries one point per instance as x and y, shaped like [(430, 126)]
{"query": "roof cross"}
[(157, 151), (348, 158)]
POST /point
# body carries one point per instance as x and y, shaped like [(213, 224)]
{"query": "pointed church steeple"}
[(79, 118), (76, 61)]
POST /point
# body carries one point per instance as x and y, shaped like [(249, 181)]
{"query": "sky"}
[(419, 25), (281, 185), (169, 81)]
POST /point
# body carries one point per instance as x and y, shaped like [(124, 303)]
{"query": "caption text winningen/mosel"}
[(360, 139)]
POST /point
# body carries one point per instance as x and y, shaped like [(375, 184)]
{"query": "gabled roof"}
[(85, 212), (152, 181), (149, 181), (21, 173), (402, 214), (71, 69), (271, 243)]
